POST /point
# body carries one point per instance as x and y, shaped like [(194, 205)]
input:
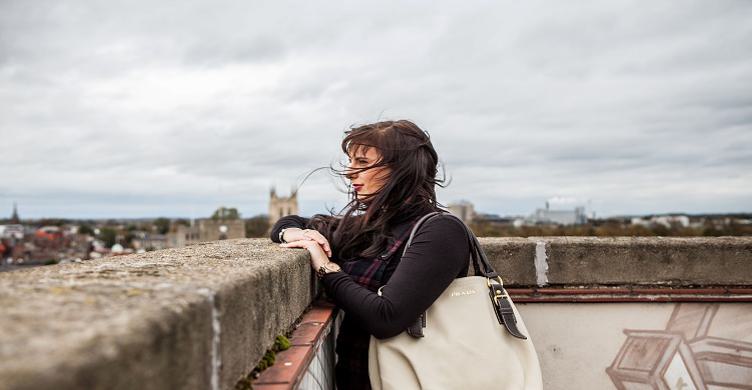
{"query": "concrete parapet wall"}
[(198, 317), (576, 261), (201, 317)]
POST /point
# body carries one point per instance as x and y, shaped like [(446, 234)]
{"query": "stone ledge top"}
[(61, 324), (592, 261), (71, 315), (741, 241)]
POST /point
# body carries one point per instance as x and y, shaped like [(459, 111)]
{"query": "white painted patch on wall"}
[(541, 263), (216, 359)]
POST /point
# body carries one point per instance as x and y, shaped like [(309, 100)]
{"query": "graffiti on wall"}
[(699, 348)]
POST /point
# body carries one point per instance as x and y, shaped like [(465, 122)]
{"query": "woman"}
[(392, 169)]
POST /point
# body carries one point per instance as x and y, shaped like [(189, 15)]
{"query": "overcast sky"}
[(144, 108)]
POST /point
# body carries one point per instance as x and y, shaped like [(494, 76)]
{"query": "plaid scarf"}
[(369, 273), (351, 370)]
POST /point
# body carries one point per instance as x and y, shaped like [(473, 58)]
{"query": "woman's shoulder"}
[(445, 217), (446, 224), (442, 236)]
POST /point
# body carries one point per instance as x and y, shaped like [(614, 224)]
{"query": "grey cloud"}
[(626, 102), (220, 52)]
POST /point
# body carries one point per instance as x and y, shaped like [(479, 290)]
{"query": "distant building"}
[(49, 232), (180, 236), (205, 229), (212, 230), (281, 206), (494, 218), (665, 220), (463, 209), (560, 217), (148, 241), (12, 231)]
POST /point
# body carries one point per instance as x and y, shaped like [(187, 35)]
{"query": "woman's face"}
[(368, 181)]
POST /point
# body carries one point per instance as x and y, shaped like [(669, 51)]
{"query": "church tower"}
[(14, 219), (280, 206)]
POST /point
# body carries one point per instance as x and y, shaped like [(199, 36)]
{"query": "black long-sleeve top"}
[(439, 253)]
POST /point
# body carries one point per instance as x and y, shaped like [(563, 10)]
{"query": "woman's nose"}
[(350, 173)]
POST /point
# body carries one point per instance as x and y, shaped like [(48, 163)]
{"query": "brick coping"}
[(603, 294), (291, 364)]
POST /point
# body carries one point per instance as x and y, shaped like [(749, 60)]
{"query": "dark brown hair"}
[(363, 226)]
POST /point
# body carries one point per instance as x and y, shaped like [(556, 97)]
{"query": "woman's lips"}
[(357, 187)]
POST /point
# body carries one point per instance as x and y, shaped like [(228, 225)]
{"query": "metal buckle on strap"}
[(498, 293), (488, 281), (502, 305)]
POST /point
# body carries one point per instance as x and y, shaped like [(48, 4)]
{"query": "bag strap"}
[(499, 297), (477, 255)]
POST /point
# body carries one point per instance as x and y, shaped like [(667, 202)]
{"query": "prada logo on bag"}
[(463, 292)]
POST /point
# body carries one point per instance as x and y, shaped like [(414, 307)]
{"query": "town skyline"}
[(112, 111), (307, 212)]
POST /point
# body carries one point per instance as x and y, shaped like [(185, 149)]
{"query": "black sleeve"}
[(438, 253), (287, 221), (302, 223)]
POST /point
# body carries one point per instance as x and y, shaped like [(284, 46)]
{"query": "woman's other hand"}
[(296, 234), (318, 256)]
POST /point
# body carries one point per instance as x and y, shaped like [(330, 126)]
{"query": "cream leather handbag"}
[(471, 337)]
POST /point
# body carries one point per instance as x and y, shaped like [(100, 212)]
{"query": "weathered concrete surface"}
[(512, 258), (725, 261), (575, 261), (201, 317), (198, 317)]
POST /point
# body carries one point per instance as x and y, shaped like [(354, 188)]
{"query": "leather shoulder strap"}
[(477, 255)]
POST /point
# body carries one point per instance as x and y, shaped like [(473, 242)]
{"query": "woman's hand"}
[(318, 256), (296, 234)]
